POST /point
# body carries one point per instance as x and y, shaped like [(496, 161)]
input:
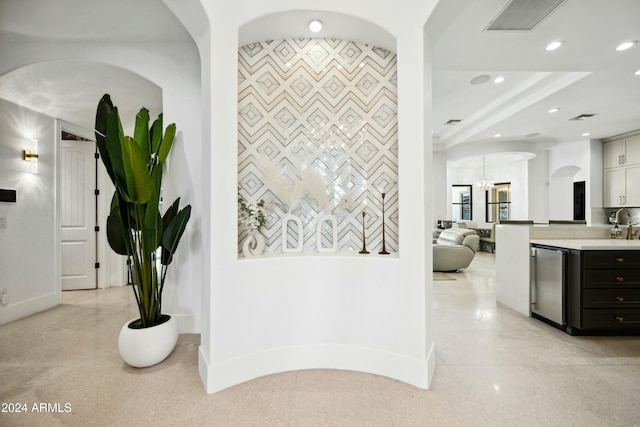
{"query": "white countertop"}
[(590, 244)]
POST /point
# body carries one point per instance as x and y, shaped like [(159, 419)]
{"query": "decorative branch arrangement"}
[(309, 184)]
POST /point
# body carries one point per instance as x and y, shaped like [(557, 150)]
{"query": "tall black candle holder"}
[(364, 240), (384, 248)]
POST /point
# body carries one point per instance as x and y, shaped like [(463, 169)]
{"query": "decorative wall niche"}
[(326, 107)]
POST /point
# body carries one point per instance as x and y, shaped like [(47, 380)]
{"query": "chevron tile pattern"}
[(325, 104)]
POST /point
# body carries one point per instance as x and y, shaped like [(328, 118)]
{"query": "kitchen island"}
[(602, 282)]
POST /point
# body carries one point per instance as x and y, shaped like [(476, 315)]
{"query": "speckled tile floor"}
[(494, 368)]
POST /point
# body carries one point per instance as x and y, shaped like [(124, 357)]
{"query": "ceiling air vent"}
[(581, 117), (523, 15), (452, 122)]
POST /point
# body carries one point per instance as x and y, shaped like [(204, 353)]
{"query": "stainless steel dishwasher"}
[(548, 284)]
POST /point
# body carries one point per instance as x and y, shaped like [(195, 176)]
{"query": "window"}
[(499, 202), (461, 202)]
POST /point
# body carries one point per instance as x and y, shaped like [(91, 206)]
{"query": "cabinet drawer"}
[(611, 298), (595, 318), (621, 278), (611, 259)]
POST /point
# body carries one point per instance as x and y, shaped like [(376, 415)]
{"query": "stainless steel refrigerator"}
[(548, 280)]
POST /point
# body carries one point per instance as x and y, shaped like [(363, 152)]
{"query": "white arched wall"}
[(175, 68), (561, 192), (587, 156), (368, 314)]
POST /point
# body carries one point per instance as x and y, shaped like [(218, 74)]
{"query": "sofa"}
[(465, 223), (454, 249)]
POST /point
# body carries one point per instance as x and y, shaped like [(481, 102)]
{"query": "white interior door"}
[(78, 214)]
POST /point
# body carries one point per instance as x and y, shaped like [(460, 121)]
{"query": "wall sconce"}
[(32, 155), (28, 155)]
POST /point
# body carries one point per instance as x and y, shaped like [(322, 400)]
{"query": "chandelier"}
[(484, 184)]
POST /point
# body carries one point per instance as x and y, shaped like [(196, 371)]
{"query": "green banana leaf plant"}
[(135, 226)]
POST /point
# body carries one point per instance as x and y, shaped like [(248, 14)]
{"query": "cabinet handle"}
[(620, 259), (620, 278), (620, 299), (619, 319)]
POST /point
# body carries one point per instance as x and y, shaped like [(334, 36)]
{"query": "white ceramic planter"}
[(285, 228), (333, 224), (145, 347), (254, 245)]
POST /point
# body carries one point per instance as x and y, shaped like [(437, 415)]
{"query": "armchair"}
[(455, 249)]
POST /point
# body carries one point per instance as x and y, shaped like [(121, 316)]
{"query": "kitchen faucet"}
[(629, 231)]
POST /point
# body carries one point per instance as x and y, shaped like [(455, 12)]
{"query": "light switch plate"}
[(3, 223)]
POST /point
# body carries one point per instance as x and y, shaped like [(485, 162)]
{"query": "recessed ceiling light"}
[(626, 45), (478, 80), (554, 110), (315, 26), (499, 79), (554, 45), (586, 134), (497, 135), (637, 73)]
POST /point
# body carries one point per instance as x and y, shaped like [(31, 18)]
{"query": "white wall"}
[(29, 263), (441, 205), (539, 188), (582, 160), (274, 314), (515, 173), (542, 188)]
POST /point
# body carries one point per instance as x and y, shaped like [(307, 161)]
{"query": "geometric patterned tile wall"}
[(329, 105)]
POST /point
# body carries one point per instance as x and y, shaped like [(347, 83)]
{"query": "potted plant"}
[(254, 217), (136, 228)]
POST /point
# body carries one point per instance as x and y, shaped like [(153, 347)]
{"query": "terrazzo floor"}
[(494, 367)]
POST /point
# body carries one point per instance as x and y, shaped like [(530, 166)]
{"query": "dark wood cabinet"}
[(603, 292)]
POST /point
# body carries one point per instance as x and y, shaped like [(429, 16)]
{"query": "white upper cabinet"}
[(621, 179), (622, 152), (632, 151), (613, 152)]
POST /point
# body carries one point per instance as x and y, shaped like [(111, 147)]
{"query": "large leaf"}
[(117, 234), (166, 143), (156, 134), (138, 187), (141, 133), (152, 229), (173, 234), (102, 115), (114, 139), (171, 213), (153, 224), (167, 218)]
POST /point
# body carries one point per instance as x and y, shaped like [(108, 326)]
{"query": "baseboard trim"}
[(22, 309), (221, 375)]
